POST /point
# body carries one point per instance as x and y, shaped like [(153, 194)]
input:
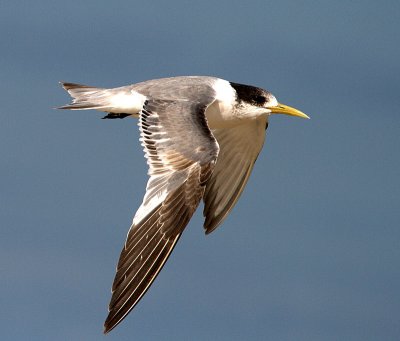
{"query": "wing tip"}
[(114, 319), (109, 326)]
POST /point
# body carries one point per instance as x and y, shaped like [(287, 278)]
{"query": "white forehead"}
[(271, 101)]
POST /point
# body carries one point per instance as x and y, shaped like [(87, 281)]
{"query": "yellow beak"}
[(285, 109)]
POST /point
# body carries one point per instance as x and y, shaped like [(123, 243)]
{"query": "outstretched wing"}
[(181, 153), (239, 148)]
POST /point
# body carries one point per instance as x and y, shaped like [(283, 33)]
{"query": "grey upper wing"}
[(181, 153), (239, 148)]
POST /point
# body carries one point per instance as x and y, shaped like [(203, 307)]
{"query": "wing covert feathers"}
[(176, 185)]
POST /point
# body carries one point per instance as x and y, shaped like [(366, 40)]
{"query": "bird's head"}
[(263, 101)]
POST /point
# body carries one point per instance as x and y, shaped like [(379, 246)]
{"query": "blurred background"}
[(312, 249)]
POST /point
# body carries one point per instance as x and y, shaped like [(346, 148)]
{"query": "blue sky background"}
[(311, 251)]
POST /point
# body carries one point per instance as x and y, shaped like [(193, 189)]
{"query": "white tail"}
[(119, 102)]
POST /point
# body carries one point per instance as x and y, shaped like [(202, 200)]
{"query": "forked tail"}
[(118, 102), (84, 97)]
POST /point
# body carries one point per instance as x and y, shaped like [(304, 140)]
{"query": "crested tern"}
[(201, 137)]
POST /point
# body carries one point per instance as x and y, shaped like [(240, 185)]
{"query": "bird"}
[(201, 136)]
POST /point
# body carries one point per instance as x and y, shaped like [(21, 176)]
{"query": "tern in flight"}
[(201, 137)]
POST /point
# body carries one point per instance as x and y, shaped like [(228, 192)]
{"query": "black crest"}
[(251, 94)]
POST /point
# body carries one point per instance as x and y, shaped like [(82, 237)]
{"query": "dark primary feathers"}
[(179, 169)]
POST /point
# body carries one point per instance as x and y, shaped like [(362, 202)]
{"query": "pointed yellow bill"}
[(285, 109)]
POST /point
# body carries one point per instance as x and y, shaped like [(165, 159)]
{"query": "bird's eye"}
[(260, 99)]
